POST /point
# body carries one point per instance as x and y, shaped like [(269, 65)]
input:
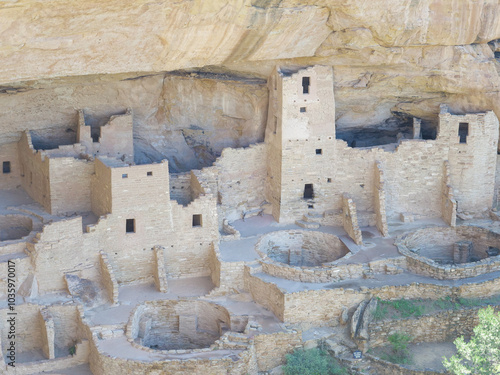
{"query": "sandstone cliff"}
[(392, 59)]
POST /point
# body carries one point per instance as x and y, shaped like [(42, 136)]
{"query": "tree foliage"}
[(311, 362), (481, 354)]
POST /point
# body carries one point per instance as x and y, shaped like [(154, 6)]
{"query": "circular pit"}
[(177, 325), (14, 227)]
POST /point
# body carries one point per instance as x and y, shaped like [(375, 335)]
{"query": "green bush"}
[(408, 308), (481, 354), (399, 349), (312, 362)]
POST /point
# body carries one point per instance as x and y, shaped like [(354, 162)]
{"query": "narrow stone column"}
[(462, 251)]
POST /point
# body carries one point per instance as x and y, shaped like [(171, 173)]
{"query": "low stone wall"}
[(81, 356), (240, 363), (325, 306), (271, 349), (443, 326), (410, 245), (228, 275), (265, 293), (439, 327), (382, 367), (334, 272)]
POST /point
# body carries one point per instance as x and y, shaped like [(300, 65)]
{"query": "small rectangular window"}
[(302, 109), (328, 180), (124, 175), (463, 131), (6, 167), (305, 85), (130, 226), (150, 173), (319, 151), (197, 221)]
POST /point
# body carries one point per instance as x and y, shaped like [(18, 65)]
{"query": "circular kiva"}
[(175, 325), (300, 248), (451, 252), (14, 227)]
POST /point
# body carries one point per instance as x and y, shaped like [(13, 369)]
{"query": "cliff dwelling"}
[(240, 199)]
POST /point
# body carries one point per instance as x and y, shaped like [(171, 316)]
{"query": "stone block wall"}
[(70, 187), (264, 293), (379, 200), (241, 181), (57, 179), (29, 329), (180, 187), (472, 163), (9, 153), (34, 172), (438, 327), (270, 349), (350, 219), (117, 137), (101, 199), (108, 278)]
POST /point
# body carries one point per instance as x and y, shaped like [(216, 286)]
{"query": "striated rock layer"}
[(194, 71)]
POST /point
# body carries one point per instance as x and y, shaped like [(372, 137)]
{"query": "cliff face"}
[(391, 59)]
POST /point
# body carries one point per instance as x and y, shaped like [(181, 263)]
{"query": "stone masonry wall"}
[(241, 181), (439, 327), (180, 187), (9, 153), (473, 163), (34, 172), (271, 349)]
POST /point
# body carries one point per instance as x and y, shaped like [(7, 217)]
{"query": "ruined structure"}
[(128, 268)]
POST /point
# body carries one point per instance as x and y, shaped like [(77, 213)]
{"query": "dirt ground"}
[(430, 355), (427, 355)]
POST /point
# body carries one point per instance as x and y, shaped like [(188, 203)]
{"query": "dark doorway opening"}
[(305, 85), (6, 167), (463, 131), (130, 226), (308, 191)]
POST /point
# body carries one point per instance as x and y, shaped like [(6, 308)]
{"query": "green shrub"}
[(380, 312), (399, 349), (408, 308), (312, 362), (481, 354)]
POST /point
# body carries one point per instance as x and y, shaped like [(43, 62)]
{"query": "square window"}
[(150, 173), (124, 175), (130, 226), (328, 180), (6, 167), (197, 221), (310, 206), (302, 109), (319, 151)]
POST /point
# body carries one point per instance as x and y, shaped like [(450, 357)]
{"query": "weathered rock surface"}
[(392, 59)]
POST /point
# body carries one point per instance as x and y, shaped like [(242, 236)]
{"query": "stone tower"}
[(300, 135)]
